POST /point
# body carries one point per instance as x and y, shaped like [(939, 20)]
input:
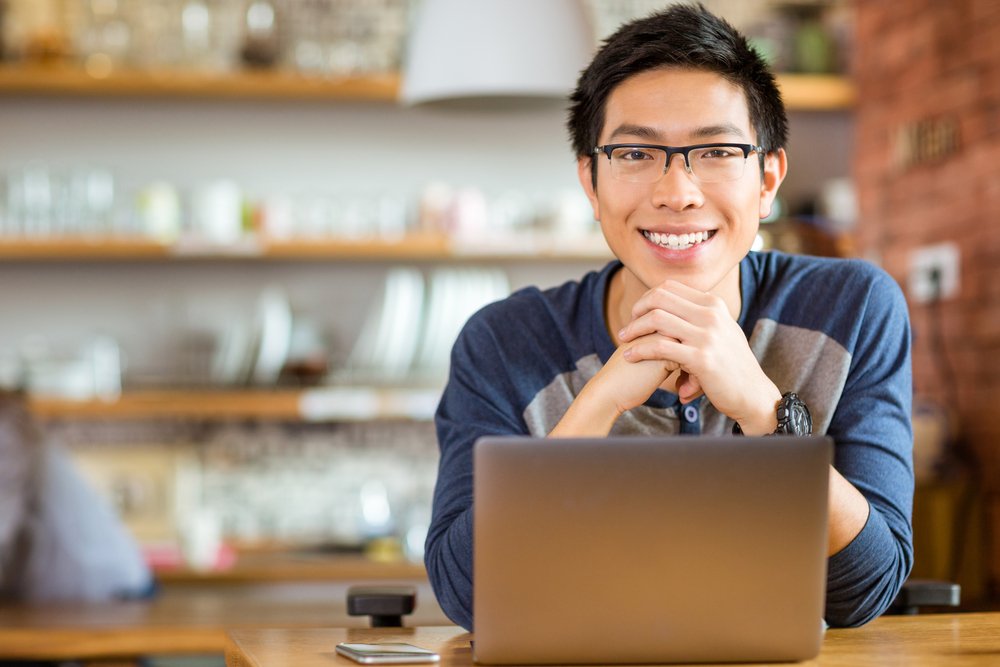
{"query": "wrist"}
[(600, 400), (591, 414), (761, 418)]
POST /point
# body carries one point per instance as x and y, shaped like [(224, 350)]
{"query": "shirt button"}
[(690, 413)]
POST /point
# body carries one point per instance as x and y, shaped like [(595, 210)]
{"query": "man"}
[(679, 131)]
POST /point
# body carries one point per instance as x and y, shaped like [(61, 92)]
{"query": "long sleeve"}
[(872, 429), (837, 333), (477, 401)]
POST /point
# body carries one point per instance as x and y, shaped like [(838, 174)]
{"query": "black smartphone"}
[(389, 653)]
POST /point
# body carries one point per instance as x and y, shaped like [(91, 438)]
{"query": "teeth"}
[(677, 241)]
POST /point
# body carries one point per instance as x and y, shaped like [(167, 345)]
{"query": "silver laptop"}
[(649, 550)]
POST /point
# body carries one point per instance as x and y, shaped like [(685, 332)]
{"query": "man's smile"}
[(678, 241)]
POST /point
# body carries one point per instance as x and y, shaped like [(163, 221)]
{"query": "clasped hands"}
[(687, 342)]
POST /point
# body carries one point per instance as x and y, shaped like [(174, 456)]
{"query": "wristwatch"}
[(793, 417)]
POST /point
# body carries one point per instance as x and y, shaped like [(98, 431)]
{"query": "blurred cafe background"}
[(238, 237)]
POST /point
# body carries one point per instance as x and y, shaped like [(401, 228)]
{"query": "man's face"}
[(680, 107)]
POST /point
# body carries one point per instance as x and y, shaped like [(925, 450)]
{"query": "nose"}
[(676, 188), (673, 158)]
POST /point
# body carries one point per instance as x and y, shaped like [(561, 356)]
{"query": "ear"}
[(775, 168), (583, 172)]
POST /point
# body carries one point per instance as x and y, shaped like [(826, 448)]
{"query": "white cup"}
[(201, 538), (217, 208)]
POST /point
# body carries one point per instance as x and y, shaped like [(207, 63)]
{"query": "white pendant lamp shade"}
[(468, 49)]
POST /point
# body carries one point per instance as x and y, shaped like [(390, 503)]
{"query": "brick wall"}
[(930, 66)]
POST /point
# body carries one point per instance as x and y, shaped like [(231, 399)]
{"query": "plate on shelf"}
[(233, 357), (439, 313), (274, 328), (381, 357), (404, 330), (386, 347), (455, 295)]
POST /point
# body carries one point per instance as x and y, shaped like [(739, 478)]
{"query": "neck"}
[(625, 288)]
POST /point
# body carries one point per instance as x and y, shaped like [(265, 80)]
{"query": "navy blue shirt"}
[(834, 331)]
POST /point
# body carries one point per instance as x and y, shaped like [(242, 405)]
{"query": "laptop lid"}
[(640, 550)]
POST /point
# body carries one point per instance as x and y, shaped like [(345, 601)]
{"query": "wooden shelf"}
[(154, 404), (801, 91), (325, 404), (814, 92), (422, 248), (259, 568), (274, 85), (59, 249)]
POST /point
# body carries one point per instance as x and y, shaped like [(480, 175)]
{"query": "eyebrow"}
[(704, 132)]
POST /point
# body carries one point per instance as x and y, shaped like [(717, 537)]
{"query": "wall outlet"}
[(934, 273)]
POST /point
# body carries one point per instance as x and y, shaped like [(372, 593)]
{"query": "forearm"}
[(619, 386), (590, 414), (847, 515), (869, 530), (448, 548), (448, 560), (864, 577)]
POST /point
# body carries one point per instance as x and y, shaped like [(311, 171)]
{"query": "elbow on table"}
[(454, 597), (863, 606)]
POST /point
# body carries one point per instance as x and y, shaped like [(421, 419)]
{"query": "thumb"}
[(688, 388)]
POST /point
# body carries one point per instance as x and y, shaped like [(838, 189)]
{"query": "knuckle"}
[(714, 316)]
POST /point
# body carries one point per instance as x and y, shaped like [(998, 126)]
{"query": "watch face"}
[(793, 416), (800, 421)]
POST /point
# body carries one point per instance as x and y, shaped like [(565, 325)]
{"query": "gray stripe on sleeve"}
[(805, 361)]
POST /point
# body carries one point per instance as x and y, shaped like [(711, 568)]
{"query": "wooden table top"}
[(184, 620), (966, 640)]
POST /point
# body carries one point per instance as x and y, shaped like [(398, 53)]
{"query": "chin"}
[(699, 279)]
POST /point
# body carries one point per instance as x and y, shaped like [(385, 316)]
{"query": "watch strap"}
[(792, 415)]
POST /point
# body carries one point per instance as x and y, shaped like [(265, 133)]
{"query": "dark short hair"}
[(683, 36)]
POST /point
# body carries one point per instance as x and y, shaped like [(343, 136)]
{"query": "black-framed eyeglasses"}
[(709, 163)]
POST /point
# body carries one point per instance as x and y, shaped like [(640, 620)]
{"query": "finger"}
[(668, 365), (689, 293), (670, 384), (689, 388), (655, 346), (663, 297), (658, 322)]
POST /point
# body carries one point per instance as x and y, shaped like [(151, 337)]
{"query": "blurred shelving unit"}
[(147, 416), (825, 93)]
